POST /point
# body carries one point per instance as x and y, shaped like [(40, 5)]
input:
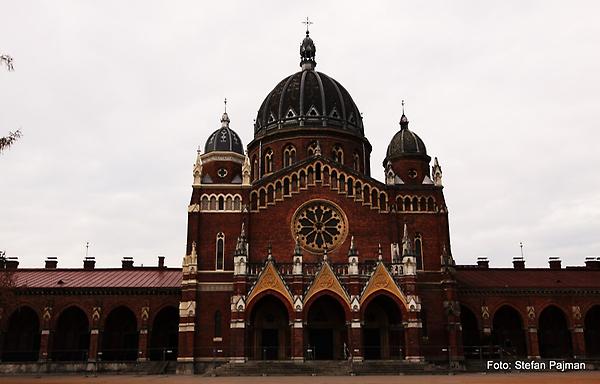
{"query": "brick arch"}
[(522, 315), (63, 308), (106, 310), (565, 312), (268, 292), (326, 292), (382, 292)]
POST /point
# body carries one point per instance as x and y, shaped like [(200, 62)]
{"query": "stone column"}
[(412, 338), (143, 345), (533, 347), (297, 339), (143, 335), (355, 340), (578, 340), (45, 335), (95, 334)]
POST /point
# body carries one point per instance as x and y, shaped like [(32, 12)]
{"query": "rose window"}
[(319, 225)]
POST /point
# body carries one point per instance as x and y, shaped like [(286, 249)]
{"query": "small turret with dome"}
[(407, 157), (223, 156)]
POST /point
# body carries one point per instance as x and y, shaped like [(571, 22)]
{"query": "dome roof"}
[(405, 142), (308, 98), (224, 139)]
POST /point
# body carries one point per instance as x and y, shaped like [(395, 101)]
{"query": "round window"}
[(319, 225)]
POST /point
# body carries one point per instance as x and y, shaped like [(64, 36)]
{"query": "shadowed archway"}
[(22, 339), (120, 336), (269, 330), (553, 334), (71, 340), (326, 330), (383, 336), (508, 332), (471, 336), (164, 335), (592, 332)]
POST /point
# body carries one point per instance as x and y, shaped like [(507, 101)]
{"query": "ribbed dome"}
[(308, 98), (405, 142), (224, 139)]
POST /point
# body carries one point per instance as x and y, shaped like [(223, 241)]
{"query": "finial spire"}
[(225, 102), (402, 105), (307, 23), (403, 119), (307, 50), (225, 118)]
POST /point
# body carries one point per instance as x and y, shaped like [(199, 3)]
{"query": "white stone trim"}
[(355, 324), (237, 324)]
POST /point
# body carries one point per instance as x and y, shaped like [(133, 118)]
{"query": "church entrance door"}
[(327, 333)]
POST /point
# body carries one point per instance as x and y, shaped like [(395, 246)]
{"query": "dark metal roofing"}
[(528, 278), (99, 278), (405, 142), (308, 98)]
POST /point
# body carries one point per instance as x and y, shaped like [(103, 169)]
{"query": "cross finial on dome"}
[(403, 119), (307, 22), (225, 102), (225, 118), (307, 50)]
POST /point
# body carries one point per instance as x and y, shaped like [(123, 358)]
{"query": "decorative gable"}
[(270, 279), (326, 280), (381, 280)]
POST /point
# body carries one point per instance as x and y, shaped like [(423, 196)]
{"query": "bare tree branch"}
[(6, 142), (5, 59)]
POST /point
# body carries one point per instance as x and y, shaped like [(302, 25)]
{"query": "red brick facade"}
[(295, 252)]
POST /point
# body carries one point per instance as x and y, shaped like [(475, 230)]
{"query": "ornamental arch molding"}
[(269, 281), (326, 282), (382, 282)]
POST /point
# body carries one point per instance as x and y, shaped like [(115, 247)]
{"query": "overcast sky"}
[(114, 97)]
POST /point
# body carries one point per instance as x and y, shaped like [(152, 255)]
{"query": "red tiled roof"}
[(528, 278), (98, 278)]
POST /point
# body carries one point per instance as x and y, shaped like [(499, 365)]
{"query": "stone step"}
[(320, 368)]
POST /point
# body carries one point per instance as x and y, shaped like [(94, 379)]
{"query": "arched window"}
[(289, 156), (204, 205), (218, 324), (419, 251), (356, 162), (312, 148), (220, 250), (268, 164), (338, 154), (213, 203), (254, 168), (221, 203)]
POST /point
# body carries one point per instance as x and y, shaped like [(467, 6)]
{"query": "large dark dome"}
[(308, 98)]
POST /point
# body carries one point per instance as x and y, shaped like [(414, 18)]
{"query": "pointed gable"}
[(326, 280), (382, 280), (270, 279)]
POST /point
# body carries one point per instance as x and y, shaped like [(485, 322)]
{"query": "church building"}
[(296, 253)]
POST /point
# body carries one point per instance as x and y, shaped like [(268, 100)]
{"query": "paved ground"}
[(533, 378)]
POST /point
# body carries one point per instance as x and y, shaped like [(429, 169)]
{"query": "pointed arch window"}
[(289, 155), (254, 168), (419, 251), (220, 252), (356, 162), (338, 154), (268, 164), (312, 148)]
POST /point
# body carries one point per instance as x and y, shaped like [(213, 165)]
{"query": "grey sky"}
[(114, 97)]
